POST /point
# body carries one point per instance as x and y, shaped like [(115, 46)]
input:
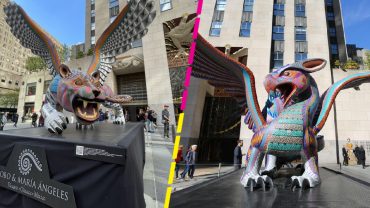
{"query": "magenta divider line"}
[(196, 28), (184, 99), (192, 52), (187, 76), (199, 8), (191, 56)]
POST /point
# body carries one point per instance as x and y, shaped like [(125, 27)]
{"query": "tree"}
[(337, 64), (80, 54), (90, 52), (367, 59), (9, 99), (63, 53), (35, 64), (350, 64)]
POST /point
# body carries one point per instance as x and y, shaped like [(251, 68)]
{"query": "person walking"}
[(178, 159), (2, 121), (362, 156), (190, 163), (166, 121), (356, 151), (15, 119), (34, 119), (149, 120), (42, 121), (238, 155), (345, 155)]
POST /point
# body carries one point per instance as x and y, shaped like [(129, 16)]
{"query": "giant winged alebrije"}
[(293, 116), (82, 91)]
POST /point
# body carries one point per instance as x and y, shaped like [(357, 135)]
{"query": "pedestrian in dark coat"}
[(362, 156), (238, 155), (345, 156), (15, 119), (356, 151)]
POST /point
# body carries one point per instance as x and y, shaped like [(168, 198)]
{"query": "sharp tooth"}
[(94, 112), (85, 114), (85, 103)]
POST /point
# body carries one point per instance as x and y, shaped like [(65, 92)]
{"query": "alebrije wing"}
[(130, 25), (328, 97), (235, 78), (32, 36)]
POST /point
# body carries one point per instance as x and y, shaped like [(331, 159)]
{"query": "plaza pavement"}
[(355, 172), (158, 156)]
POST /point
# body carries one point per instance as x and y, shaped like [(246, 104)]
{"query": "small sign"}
[(104, 154), (27, 173)]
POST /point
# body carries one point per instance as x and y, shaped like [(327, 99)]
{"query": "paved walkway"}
[(355, 171), (158, 156), (202, 174)]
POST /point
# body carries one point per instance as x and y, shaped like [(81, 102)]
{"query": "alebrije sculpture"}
[(78, 91), (293, 116)]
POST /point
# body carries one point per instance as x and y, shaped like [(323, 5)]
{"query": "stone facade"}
[(13, 56)]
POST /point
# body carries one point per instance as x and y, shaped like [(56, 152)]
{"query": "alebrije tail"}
[(328, 98)]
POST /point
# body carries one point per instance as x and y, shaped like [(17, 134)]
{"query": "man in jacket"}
[(238, 155)]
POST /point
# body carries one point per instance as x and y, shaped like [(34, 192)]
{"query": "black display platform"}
[(334, 191), (104, 165)]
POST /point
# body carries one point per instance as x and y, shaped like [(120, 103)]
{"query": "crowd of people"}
[(189, 161), (359, 153), (149, 117)]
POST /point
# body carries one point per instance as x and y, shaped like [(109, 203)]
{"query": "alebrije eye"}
[(286, 73), (78, 82)]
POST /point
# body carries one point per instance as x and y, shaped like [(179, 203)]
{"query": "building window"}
[(215, 29), (218, 18), (245, 29), (279, 9), (248, 5), (92, 32), (301, 47), (330, 16), (165, 5), (16, 83), (329, 2), (334, 48), (92, 1), (92, 40), (113, 3), (300, 22), (220, 5), (300, 57), (46, 85), (93, 13), (3, 80), (332, 32), (93, 26), (113, 12), (31, 89), (277, 33), (92, 19), (300, 10), (246, 23), (300, 34), (92, 6), (278, 59)]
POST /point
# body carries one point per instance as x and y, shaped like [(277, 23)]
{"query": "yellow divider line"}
[(176, 147), (168, 196), (179, 126), (172, 171)]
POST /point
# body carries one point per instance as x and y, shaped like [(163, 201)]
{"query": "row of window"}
[(278, 33), (218, 17), (300, 31), (31, 88), (16, 83), (245, 26)]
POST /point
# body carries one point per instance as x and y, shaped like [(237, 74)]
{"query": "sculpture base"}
[(334, 191), (104, 165)]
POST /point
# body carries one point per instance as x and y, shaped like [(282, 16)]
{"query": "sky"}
[(65, 19)]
